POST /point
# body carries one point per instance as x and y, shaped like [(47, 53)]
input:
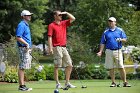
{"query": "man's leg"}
[(123, 74), (56, 75), (112, 75), (57, 63), (21, 76), (68, 73), (68, 63)]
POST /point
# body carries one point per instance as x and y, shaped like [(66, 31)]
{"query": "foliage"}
[(92, 16), (11, 74), (136, 3), (133, 31), (50, 73), (11, 54), (136, 55), (10, 16), (92, 71), (46, 74)]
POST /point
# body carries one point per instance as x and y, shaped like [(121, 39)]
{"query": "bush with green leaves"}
[(136, 55), (91, 71), (49, 69), (11, 74)]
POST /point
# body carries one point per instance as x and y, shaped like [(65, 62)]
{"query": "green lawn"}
[(93, 86)]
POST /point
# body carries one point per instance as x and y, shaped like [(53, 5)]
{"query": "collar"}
[(57, 23), (113, 29), (25, 22)]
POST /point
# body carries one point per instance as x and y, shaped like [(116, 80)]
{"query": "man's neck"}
[(57, 21)]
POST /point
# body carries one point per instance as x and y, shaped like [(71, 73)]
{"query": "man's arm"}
[(22, 41), (50, 46), (101, 49), (71, 17)]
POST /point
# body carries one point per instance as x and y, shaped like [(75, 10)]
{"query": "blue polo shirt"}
[(23, 31), (109, 38)]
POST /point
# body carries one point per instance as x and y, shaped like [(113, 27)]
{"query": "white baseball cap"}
[(25, 12), (112, 19)]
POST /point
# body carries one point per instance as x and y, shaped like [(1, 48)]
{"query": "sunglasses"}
[(110, 21), (59, 15), (27, 15)]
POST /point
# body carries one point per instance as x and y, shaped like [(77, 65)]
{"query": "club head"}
[(84, 86), (118, 85), (65, 88)]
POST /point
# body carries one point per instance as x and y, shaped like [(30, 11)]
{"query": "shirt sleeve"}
[(103, 40), (50, 30), (123, 35), (19, 31), (67, 22)]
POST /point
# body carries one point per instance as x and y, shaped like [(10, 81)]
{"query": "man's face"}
[(111, 24), (27, 17), (58, 16)]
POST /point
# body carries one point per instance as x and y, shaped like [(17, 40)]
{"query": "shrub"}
[(136, 55), (11, 74), (49, 70), (90, 72)]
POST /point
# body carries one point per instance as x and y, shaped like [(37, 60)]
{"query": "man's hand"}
[(99, 54), (27, 46), (50, 51), (118, 39)]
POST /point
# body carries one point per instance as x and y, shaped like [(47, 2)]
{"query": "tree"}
[(92, 16), (136, 3), (10, 16)]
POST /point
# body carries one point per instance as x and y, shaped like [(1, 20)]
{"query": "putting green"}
[(93, 86)]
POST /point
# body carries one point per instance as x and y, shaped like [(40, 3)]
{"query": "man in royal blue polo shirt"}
[(112, 39), (24, 43)]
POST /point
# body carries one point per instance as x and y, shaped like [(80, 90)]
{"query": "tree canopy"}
[(91, 18)]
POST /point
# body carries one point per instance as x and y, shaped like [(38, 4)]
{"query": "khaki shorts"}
[(24, 58), (61, 57), (112, 60)]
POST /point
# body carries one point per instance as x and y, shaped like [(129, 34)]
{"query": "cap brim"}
[(29, 14)]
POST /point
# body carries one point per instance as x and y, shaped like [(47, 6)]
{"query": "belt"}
[(21, 46), (113, 49), (60, 46)]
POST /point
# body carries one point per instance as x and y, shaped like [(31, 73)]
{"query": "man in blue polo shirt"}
[(112, 39), (24, 43)]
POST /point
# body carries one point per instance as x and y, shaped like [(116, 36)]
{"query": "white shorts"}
[(61, 57), (113, 59)]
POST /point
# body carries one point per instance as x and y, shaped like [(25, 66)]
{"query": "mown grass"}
[(93, 86)]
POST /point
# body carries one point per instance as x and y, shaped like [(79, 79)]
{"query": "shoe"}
[(24, 88), (125, 84), (113, 84), (68, 85), (59, 86)]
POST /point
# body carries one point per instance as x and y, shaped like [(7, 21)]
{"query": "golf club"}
[(118, 85), (66, 88), (83, 86), (40, 67)]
